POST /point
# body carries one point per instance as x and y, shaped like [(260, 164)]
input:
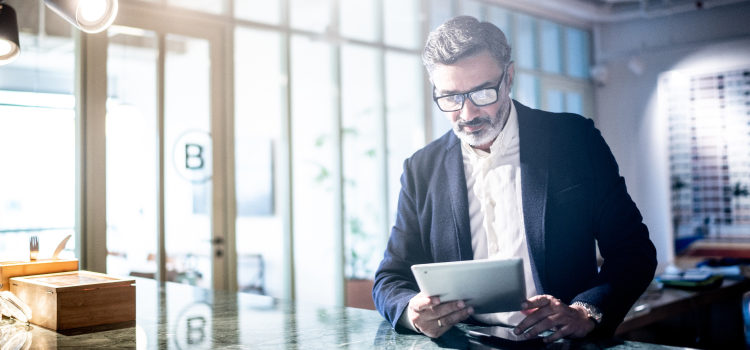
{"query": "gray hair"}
[(461, 37)]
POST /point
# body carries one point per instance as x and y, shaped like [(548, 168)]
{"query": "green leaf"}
[(322, 175)]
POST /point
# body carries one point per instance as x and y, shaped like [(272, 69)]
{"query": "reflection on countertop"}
[(176, 316)]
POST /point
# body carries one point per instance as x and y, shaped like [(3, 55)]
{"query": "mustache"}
[(474, 122)]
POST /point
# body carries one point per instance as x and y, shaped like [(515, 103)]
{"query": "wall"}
[(626, 104)]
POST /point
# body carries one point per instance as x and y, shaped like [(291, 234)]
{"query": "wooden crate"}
[(76, 299), (11, 269)]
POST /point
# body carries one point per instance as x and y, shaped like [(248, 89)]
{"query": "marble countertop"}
[(176, 316)]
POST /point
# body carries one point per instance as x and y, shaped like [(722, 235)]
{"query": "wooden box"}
[(11, 269), (76, 299)]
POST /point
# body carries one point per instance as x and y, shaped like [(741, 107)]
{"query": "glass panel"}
[(577, 52), (313, 164), (358, 19), (312, 15), (187, 161), (259, 89), (210, 6), (501, 18), (401, 21), (525, 48), (551, 50), (440, 11), (555, 101), (365, 222), (574, 103), (473, 8), (131, 152), (405, 118), (527, 90), (37, 196), (37, 140), (265, 11)]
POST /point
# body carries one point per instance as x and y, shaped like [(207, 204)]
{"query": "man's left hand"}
[(545, 312)]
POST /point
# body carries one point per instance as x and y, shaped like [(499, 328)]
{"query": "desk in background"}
[(703, 319)]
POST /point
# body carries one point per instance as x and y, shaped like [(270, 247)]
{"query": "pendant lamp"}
[(90, 16), (9, 45)]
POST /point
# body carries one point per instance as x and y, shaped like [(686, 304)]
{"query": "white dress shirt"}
[(493, 181)]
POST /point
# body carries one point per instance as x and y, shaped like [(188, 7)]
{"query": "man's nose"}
[(469, 111)]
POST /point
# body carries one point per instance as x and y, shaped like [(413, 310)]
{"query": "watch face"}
[(593, 313)]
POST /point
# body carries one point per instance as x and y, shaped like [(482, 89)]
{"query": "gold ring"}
[(440, 323)]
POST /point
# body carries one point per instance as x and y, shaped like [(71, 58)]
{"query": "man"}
[(512, 182)]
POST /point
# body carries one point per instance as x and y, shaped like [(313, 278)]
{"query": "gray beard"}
[(493, 127)]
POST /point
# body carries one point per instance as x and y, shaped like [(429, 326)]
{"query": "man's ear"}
[(511, 74)]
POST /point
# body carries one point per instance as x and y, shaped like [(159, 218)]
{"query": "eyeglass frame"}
[(467, 94)]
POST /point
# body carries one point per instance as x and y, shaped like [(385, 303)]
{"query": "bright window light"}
[(124, 121), (30, 99), (5, 47), (93, 10)]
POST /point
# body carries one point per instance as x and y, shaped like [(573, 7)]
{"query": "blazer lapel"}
[(534, 148), (454, 167)]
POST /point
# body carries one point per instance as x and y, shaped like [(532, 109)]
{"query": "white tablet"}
[(487, 285)]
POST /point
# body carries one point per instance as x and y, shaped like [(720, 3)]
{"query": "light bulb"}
[(93, 10), (5, 47)]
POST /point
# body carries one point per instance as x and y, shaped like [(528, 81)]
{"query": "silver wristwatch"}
[(592, 311)]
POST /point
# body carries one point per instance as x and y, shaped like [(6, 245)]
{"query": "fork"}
[(34, 247)]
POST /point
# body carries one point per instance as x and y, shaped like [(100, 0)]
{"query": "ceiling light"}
[(91, 16), (5, 47), (9, 46), (93, 10)]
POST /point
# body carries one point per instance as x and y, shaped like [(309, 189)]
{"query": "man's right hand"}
[(432, 318)]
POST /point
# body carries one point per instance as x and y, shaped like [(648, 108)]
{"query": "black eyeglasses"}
[(481, 97)]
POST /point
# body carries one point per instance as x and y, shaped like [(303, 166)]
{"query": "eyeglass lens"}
[(479, 98)]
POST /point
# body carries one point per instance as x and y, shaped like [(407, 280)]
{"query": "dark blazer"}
[(573, 197)]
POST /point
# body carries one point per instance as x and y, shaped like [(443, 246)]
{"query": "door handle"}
[(217, 241)]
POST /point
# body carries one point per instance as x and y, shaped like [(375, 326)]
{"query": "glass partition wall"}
[(287, 192), (132, 112), (256, 145), (312, 114)]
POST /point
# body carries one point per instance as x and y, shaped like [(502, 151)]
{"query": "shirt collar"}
[(502, 141)]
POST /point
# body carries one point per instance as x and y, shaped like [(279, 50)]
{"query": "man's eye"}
[(481, 94), (458, 98)]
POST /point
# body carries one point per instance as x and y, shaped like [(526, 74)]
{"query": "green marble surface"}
[(178, 316)]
